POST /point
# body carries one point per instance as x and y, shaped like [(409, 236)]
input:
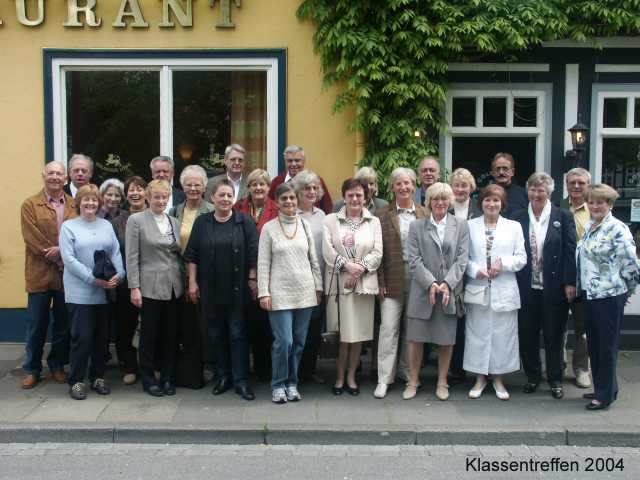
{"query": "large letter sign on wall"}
[(74, 10), (21, 13), (184, 16), (225, 13), (133, 11)]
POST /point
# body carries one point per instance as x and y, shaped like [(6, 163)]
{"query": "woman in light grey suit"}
[(155, 276), (438, 250)]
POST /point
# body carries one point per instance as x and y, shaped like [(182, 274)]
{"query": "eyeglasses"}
[(502, 169)]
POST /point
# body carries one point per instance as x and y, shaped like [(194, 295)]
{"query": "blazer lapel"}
[(554, 216), (433, 232), (450, 231), (393, 218)]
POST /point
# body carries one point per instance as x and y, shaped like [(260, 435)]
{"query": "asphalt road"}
[(167, 462)]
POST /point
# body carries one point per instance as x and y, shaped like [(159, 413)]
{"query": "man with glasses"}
[(429, 171), (503, 169), (578, 180), (234, 164), (295, 159)]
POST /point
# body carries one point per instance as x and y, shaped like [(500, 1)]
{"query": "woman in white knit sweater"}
[(289, 286)]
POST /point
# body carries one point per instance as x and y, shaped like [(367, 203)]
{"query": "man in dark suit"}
[(546, 283), (503, 168), (162, 169), (80, 171), (295, 159), (234, 164)]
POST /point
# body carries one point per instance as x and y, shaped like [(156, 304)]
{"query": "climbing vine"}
[(389, 57)]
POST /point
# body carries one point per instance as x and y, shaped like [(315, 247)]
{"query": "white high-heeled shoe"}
[(501, 393), (476, 393)]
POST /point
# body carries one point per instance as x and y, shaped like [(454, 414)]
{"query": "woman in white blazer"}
[(491, 296)]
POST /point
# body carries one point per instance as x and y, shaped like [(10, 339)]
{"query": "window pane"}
[(212, 109), (114, 117), (464, 112), (615, 113), (636, 113), (494, 112), (525, 111), (621, 170)]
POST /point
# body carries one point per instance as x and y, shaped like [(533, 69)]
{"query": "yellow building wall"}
[(331, 150)]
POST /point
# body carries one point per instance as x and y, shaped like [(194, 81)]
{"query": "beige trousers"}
[(392, 337)]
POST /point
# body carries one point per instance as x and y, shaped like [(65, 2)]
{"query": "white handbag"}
[(475, 294)]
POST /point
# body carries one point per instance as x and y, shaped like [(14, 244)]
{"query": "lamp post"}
[(579, 138)]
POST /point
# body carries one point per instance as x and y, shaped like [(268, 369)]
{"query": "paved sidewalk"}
[(47, 414)]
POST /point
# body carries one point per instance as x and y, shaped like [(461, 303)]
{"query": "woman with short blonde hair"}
[(608, 274)]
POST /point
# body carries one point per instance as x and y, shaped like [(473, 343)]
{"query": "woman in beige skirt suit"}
[(352, 249)]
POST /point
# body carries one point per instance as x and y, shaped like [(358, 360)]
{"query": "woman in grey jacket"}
[(155, 276), (438, 250)]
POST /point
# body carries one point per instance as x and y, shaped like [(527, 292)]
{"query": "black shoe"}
[(353, 391), (78, 391), (221, 386), (154, 390), (597, 406), (169, 388), (530, 387), (100, 387), (337, 390), (245, 392), (557, 393), (589, 396)]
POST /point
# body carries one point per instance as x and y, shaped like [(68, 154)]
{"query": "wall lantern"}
[(579, 140)]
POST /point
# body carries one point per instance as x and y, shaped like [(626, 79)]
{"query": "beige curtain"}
[(249, 116)]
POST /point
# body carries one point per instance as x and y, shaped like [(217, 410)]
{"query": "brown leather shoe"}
[(58, 376), (29, 381)]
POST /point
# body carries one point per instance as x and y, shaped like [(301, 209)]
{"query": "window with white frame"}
[(617, 146), (123, 112), (483, 122)]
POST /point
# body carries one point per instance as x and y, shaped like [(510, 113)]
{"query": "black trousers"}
[(158, 328), (89, 338), (458, 349), (602, 321), (260, 339), (126, 323), (534, 316), (228, 333), (312, 345)]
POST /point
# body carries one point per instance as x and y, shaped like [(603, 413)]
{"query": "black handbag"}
[(330, 340), (103, 269), (102, 266)]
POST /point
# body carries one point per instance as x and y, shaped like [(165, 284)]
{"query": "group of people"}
[(242, 267)]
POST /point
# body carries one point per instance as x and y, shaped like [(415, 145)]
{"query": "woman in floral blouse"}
[(608, 272)]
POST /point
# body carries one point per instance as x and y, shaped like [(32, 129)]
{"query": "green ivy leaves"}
[(390, 57)]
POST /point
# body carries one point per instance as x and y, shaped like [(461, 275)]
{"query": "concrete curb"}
[(60, 433)]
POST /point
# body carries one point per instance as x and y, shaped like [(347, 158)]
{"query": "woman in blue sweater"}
[(84, 294)]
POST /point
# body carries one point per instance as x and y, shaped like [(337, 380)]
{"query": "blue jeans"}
[(289, 329), (38, 319)]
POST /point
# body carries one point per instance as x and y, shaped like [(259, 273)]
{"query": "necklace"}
[(256, 212), (295, 231)]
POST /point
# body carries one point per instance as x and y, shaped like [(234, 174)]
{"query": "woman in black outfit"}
[(221, 260)]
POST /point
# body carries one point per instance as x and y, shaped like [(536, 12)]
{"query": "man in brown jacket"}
[(41, 216)]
